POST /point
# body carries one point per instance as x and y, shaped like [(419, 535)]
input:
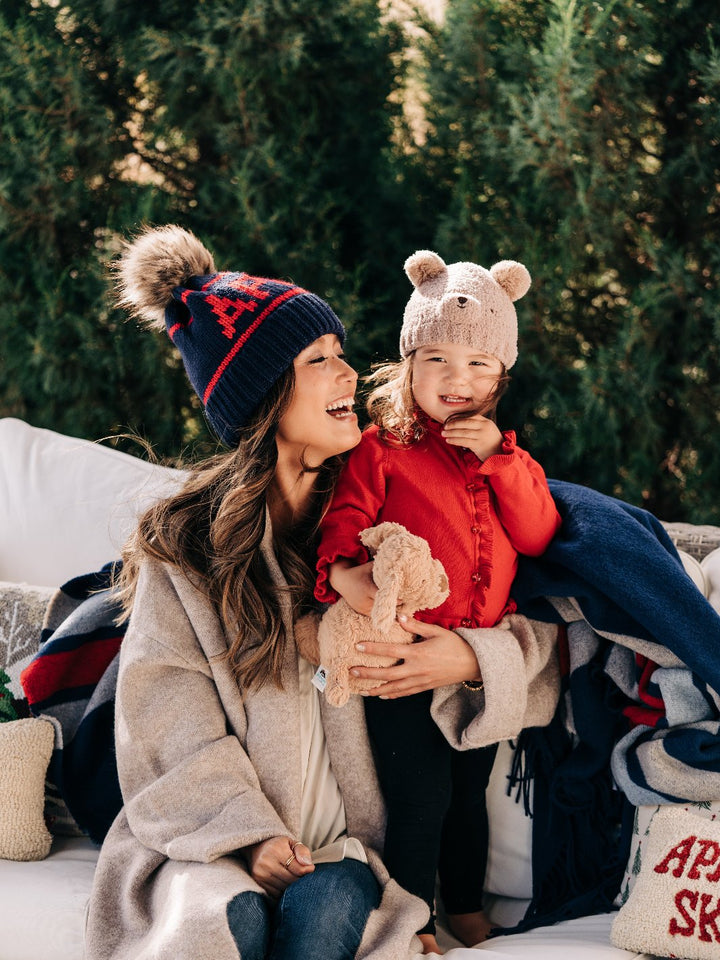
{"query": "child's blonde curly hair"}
[(391, 402)]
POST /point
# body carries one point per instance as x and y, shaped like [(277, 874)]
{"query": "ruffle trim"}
[(487, 536), (324, 592), (498, 461)]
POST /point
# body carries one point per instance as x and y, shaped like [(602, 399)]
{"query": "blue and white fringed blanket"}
[(640, 696), (613, 575)]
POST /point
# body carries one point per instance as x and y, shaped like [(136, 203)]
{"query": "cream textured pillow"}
[(674, 907), (25, 749), (708, 810)]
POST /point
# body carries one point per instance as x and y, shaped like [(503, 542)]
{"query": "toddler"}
[(435, 461)]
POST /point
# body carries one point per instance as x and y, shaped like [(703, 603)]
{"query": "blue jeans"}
[(321, 915)]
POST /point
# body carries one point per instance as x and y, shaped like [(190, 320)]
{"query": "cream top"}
[(323, 827)]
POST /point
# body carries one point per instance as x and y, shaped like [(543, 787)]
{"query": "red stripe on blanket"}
[(651, 708), (642, 716), (47, 675)]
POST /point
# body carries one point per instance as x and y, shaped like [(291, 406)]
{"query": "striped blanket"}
[(639, 709), (71, 682), (640, 634)]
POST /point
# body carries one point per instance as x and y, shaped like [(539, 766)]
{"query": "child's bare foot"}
[(430, 944), (470, 928)]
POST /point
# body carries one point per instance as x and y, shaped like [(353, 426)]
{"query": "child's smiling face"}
[(451, 378)]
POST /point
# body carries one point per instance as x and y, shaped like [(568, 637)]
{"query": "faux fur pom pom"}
[(152, 265)]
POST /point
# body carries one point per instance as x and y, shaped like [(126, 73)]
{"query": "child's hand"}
[(477, 433), (354, 584)]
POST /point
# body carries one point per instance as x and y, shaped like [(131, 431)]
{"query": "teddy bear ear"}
[(372, 537), (513, 277), (424, 265)]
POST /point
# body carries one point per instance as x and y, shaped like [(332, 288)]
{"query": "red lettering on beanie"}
[(227, 311), (244, 283), (242, 339)]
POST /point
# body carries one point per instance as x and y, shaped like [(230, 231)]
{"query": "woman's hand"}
[(439, 658), (476, 433), (354, 583), (278, 862)]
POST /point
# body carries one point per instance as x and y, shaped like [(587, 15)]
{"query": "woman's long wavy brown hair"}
[(391, 403), (212, 529)]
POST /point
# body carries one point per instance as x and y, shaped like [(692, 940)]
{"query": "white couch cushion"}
[(587, 938), (44, 902), (67, 505), (711, 571), (44, 906), (509, 868)]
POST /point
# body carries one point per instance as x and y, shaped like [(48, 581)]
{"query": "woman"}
[(253, 821)]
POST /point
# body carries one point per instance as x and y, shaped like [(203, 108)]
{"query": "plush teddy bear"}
[(408, 579)]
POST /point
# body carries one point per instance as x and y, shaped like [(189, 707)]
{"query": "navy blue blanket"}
[(621, 566)]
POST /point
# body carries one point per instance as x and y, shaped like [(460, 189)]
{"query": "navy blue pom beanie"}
[(237, 334)]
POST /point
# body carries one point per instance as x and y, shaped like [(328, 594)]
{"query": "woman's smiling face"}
[(450, 378), (320, 422)]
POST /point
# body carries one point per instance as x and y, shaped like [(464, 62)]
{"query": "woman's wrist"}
[(473, 679)]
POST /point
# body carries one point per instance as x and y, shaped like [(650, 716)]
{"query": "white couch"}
[(66, 505)]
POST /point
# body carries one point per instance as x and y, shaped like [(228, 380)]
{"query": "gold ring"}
[(289, 860)]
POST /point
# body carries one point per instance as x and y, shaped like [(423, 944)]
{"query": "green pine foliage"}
[(68, 361), (7, 707), (266, 127), (578, 136), (271, 122), (582, 139)]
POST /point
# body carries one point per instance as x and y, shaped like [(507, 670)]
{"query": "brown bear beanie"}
[(463, 303)]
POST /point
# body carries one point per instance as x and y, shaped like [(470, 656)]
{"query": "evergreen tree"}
[(68, 361), (276, 119), (265, 126), (581, 138), (7, 706)]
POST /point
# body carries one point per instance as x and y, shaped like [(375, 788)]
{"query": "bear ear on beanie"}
[(513, 277), (152, 265), (424, 265)]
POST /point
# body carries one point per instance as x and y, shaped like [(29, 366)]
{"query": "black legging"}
[(435, 796)]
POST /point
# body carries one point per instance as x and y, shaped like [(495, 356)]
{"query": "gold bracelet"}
[(473, 684)]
